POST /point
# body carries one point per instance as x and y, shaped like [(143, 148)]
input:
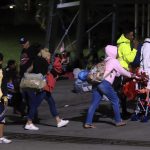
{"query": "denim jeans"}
[(35, 99), (103, 88), (32, 104), (48, 97)]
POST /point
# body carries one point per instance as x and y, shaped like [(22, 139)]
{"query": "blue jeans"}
[(103, 88), (32, 104), (48, 97), (35, 99)]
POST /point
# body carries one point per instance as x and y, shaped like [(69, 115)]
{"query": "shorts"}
[(2, 113)]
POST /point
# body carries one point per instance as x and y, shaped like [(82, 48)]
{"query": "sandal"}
[(120, 124), (87, 126)]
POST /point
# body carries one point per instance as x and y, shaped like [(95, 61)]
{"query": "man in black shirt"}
[(27, 55)]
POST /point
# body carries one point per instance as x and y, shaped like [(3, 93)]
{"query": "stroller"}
[(142, 109)]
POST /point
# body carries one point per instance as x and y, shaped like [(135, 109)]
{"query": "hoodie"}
[(113, 65), (126, 54), (145, 56)]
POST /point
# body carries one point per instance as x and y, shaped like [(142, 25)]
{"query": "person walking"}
[(3, 103), (28, 54), (112, 69), (40, 65)]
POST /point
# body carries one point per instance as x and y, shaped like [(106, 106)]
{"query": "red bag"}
[(50, 83)]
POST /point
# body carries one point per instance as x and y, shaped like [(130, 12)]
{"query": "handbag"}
[(33, 81), (50, 83)]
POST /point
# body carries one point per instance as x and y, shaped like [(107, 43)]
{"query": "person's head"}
[(24, 42), (128, 33), (45, 54), (11, 64), (111, 51), (58, 55), (147, 40)]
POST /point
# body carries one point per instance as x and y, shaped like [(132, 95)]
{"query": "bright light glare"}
[(11, 6)]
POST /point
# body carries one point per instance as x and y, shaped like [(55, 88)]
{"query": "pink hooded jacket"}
[(113, 65)]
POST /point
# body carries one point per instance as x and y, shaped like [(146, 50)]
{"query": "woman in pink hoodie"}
[(113, 68)]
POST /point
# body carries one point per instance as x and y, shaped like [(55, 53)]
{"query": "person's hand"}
[(134, 76), (5, 100)]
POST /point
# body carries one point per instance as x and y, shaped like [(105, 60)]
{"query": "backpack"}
[(96, 74)]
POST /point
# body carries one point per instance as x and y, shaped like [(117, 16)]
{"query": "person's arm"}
[(124, 51), (121, 70)]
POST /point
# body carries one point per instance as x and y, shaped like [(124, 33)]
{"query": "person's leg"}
[(96, 97), (21, 104), (25, 100), (17, 106), (123, 103), (32, 104), (1, 130), (2, 121), (39, 98), (32, 110), (51, 103), (118, 83), (3, 140), (52, 107), (108, 90)]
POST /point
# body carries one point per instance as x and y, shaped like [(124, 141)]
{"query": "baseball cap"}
[(23, 40)]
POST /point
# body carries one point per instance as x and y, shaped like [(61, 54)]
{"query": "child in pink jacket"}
[(113, 68)]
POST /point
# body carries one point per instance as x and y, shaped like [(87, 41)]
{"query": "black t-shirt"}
[(26, 59), (40, 65)]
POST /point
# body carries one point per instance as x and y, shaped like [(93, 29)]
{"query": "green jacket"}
[(126, 55)]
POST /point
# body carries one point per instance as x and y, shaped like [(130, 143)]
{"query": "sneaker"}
[(62, 123), (31, 127), (88, 126), (4, 140), (119, 124)]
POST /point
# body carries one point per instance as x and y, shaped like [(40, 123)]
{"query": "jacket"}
[(126, 54), (145, 56), (51, 81), (112, 65)]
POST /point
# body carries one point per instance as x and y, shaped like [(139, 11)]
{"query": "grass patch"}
[(9, 41)]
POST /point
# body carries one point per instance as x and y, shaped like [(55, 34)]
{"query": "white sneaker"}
[(4, 140), (62, 123), (31, 127)]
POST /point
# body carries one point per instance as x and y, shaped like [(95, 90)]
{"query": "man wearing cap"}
[(27, 55)]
